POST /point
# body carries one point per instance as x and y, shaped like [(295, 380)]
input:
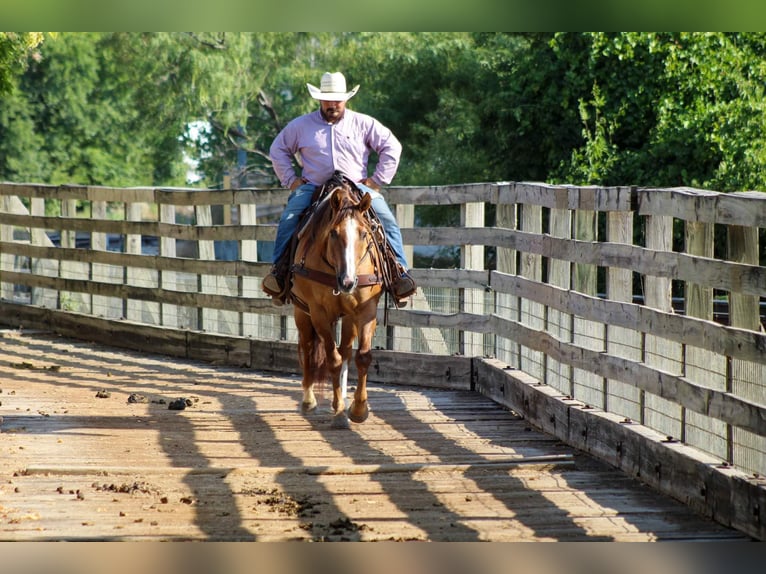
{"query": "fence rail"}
[(583, 295)]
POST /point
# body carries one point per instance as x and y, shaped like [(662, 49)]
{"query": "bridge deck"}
[(241, 463)]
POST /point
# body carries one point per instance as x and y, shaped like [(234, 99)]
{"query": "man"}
[(334, 138)]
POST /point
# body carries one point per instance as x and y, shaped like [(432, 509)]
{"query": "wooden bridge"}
[(557, 396)]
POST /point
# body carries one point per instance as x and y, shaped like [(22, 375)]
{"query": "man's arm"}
[(283, 149), (389, 150)]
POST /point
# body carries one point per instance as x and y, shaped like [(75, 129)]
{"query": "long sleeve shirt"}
[(344, 146)]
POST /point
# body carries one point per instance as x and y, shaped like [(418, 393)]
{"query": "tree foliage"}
[(636, 108), (15, 50)]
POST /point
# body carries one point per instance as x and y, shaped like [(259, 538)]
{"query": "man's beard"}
[(331, 114)]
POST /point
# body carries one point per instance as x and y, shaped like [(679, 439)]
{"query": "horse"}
[(336, 275)]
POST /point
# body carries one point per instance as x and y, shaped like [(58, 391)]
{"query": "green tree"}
[(15, 50)]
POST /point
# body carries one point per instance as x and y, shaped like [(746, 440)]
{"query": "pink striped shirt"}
[(344, 146)]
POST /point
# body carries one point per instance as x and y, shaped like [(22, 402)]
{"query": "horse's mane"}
[(325, 218)]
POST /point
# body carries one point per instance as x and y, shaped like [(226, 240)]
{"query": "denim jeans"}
[(299, 201)]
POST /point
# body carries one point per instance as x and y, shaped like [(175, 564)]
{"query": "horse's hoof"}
[(358, 417), (307, 408), (340, 421)]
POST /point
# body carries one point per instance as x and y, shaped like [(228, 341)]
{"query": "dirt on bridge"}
[(98, 443)]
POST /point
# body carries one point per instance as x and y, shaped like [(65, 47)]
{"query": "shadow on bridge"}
[(243, 439)]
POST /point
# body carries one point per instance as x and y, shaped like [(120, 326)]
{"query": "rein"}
[(330, 280)]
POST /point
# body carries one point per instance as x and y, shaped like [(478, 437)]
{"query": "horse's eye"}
[(334, 234)]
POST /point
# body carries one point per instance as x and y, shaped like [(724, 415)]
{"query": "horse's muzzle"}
[(346, 284)]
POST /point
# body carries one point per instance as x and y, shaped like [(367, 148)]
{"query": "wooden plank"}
[(748, 378), (559, 323), (719, 338), (160, 263), (505, 215), (440, 195), (531, 313), (623, 338), (587, 386), (681, 471), (571, 197), (700, 363), (230, 467), (735, 410), (745, 208), (150, 228), (744, 278), (659, 352)]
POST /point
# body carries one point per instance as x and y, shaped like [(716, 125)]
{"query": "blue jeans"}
[(299, 201)]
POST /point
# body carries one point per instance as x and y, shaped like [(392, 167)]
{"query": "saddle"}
[(390, 270)]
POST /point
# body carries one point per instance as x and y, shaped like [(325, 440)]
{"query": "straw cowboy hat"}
[(332, 88)]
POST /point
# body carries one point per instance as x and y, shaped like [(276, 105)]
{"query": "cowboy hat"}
[(332, 88)]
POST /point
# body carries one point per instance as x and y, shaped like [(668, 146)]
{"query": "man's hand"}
[(369, 182), (297, 183)]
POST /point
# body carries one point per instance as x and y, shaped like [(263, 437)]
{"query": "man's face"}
[(332, 111)]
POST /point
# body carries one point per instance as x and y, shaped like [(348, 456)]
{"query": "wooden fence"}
[(580, 300)]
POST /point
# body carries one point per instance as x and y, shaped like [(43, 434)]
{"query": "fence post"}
[(622, 398), (44, 267), (660, 353), (701, 364), (507, 305), (6, 259), (70, 300), (559, 324), (748, 379), (401, 338), (532, 313), (168, 279), (207, 319), (586, 386), (472, 257)]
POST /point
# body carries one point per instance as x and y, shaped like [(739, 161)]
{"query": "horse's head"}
[(348, 238)]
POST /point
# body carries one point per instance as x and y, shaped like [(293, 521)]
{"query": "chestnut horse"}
[(336, 275)]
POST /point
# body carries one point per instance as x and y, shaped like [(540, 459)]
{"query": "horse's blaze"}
[(347, 275)]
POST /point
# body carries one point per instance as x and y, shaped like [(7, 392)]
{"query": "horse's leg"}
[(334, 365), (359, 410), (348, 334), (307, 356)]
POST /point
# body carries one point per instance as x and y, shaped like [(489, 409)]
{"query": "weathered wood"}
[(531, 313), (659, 352), (160, 263), (693, 377), (687, 474), (241, 463), (559, 323), (748, 378), (700, 362), (150, 228), (505, 217), (472, 257), (741, 343), (724, 406), (571, 197), (746, 209), (623, 332), (744, 278), (441, 195)]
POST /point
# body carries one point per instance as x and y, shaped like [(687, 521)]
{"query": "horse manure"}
[(179, 404)]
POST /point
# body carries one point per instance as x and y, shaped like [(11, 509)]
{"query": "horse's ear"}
[(337, 200), (365, 202)]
